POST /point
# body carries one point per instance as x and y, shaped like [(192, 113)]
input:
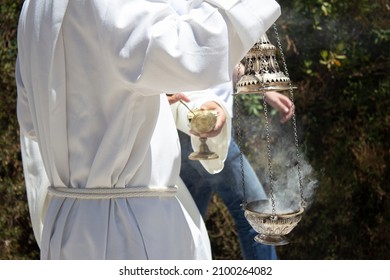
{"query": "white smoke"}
[(284, 163)]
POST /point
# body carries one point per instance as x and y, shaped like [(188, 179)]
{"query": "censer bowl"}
[(272, 229)]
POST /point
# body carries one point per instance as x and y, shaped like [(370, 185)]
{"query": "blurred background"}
[(337, 54)]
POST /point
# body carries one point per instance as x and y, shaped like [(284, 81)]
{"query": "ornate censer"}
[(202, 121), (262, 70), (272, 227), (262, 74)]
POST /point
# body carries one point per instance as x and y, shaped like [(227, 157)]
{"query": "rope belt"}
[(107, 193)]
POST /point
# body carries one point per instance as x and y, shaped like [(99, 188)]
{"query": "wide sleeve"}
[(23, 109), (36, 181), (157, 47), (218, 144)]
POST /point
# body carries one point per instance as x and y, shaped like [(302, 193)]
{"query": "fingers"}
[(221, 116), (218, 126), (287, 116), (281, 103), (173, 98), (216, 130), (287, 109), (220, 122)]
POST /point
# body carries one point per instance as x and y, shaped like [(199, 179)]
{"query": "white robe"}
[(90, 77)]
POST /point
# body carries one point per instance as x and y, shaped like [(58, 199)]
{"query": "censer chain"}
[(294, 121), (239, 138), (263, 67)]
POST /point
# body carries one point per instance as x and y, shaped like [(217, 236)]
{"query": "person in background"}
[(91, 77), (202, 183)]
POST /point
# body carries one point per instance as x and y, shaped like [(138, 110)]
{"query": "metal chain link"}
[(303, 202), (237, 117), (264, 67)]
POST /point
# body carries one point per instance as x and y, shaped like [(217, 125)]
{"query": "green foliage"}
[(337, 53), (343, 103), (16, 237), (222, 232), (251, 103)]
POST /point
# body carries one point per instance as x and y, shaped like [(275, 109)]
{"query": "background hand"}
[(281, 103)]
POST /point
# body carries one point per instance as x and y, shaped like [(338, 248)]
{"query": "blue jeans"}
[(228, 185)]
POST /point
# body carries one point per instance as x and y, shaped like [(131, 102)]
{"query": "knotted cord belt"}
[(107, 193)]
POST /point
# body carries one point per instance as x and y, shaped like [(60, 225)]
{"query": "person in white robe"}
[(91, 79)]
